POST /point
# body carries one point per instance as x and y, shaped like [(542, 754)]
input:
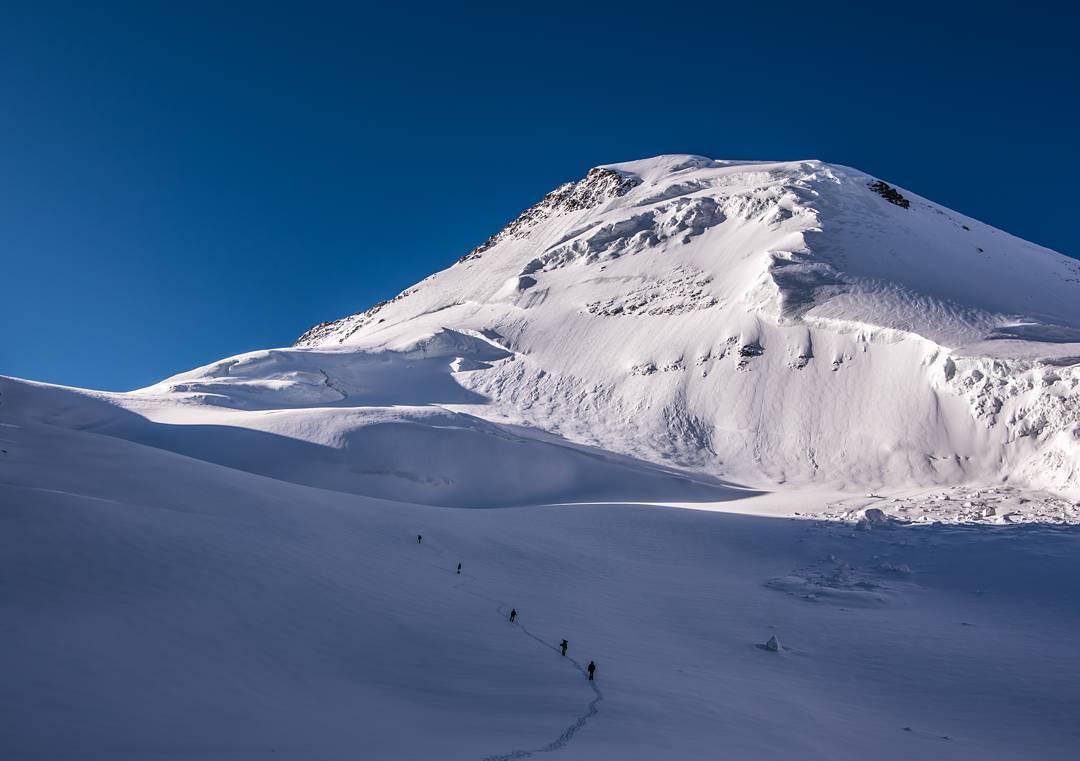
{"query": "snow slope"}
[(224, 564), (771, 322), (156, 605)]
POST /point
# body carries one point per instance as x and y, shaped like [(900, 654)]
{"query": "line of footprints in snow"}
[(773, 645), (567, 734), (590, 670)]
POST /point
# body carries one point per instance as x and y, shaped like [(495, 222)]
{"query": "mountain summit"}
[(795, 243), (762, 320)]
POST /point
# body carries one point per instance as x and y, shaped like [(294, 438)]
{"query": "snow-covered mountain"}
[(763, 322), (676, 320), (258, 559)]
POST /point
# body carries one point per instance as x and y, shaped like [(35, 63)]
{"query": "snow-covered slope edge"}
[(771, 322)]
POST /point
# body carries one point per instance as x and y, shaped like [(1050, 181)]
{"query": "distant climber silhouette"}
[(564, 645), (591, 669), (459, 567), (513, 614), (418, 538)]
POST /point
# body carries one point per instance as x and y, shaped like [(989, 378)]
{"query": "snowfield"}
[(792, 454)]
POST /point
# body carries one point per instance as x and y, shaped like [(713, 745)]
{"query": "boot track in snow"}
[(591, 710)]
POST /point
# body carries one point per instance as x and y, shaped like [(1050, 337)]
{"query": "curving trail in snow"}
[(593, 708), (578, 723)]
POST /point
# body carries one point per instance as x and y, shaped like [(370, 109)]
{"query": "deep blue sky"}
[(179, 182)]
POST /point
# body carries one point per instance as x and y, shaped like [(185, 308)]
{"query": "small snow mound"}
[(464, 364), (773, 645), (873, 517), (902, 569)]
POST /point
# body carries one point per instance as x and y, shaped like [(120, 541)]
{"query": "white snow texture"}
[(870, 401)]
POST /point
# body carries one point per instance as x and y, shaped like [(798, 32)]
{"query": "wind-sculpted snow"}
[(681, 220), (797, 312), (957, 505), (684, 291), (1034, 406)]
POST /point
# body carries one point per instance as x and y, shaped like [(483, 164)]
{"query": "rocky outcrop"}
[(601, 184)]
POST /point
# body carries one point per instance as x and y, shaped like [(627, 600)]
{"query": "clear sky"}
[(181, 182)]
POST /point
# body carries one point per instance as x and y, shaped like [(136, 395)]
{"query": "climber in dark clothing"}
[(564, 645), (513, 614), (591, 669), (459, 567), (418, 538)]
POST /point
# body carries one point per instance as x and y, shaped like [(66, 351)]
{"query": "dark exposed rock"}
[(889, 193)]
